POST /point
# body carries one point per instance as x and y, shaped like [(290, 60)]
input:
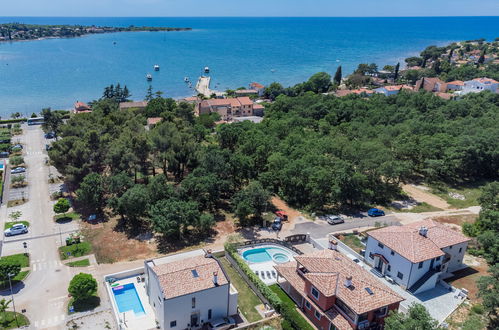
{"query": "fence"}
[(269, 240)]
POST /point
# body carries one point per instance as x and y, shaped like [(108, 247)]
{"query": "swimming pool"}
[(267, 253), (127, 299)]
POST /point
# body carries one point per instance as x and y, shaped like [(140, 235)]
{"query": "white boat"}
[(156, 67), (206, 69), (148, 77), (186, 79)]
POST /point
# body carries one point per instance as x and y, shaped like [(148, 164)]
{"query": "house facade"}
[(389, 90), (417, 255), (257, 87), (189, 289), (227, 108), (336, 293), (478, 85), (431, 85), (455, 85)]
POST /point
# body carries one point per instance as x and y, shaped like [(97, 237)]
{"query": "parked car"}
[(277, 224), (50, 135), (16, 229), (92, 218), (17, 146), (18, 170), (222, 324), (281, 214), (4, 154), (334, 219), (375, 212)]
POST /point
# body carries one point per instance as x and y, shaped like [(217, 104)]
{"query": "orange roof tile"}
[(128, 105), (406, 240), (456, 82), (486, 80), (245, 100), (153, 120), (256, 85)]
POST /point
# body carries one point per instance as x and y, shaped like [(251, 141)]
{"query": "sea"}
[(56, 73)]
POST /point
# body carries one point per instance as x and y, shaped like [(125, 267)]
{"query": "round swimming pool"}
[(267, 253)]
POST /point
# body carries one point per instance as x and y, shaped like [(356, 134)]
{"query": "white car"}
[(16, 229), (222, 324)]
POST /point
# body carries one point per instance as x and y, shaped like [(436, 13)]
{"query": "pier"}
[(203, 86)]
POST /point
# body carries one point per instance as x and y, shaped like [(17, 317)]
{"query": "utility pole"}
[(12, 295)]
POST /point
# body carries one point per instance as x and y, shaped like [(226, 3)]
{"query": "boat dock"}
[(203, 86)]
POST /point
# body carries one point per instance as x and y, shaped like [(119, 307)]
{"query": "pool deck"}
[(129, 320)]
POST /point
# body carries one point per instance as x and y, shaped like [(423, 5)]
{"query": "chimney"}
[(423, 231), (348, 281), (215, 278), (333, 245)]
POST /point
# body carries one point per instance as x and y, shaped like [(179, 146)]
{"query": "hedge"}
[(8, 121), (289, 313)]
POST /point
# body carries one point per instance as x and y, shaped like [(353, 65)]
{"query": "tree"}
[(414, 61), (133, 204), (273, 91), (318, 83), (337, 76), (9, 267), (171, 217), (417, 318), (396, 72), (62, 206), (91, 192), (82, 286), (488, 291), (481, 59), (389, 68), (34, 115), (4, 305), (52, 121), (251, 200)]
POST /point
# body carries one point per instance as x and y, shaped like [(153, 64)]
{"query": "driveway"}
[(320, 228)]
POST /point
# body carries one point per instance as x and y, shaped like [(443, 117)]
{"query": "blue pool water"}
[(127, 299), (264, 254)]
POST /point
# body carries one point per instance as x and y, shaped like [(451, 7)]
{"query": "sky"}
[(165, 8)]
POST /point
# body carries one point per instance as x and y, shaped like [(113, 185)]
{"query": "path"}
[(203, 86), (426, 197)]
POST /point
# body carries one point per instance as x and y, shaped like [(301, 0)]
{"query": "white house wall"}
[(457, 257), (155, 295)]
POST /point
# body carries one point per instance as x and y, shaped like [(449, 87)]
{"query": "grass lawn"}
[(79, 263), (19, 258), (66, 217), (353, 242), (75, 250), (9, 321), (247, 299), (83, 305), (11, 223), (471, 193), (16, 279), (288, 301)]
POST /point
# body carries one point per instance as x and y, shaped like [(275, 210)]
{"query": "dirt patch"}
[(426, 197), (456, 219), (467, 278)]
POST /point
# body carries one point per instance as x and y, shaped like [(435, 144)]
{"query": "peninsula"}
[(18, 31)]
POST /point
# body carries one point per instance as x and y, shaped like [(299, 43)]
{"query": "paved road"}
[(320, 228), (44, 293)]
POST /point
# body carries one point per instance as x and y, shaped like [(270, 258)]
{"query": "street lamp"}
[(12, 294)]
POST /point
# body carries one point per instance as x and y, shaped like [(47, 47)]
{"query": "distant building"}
[(257, 87), (431, 85), (153, 121), (227, 108), (389, 90), (478, 85), (191, 100), (133, 105), (258, 110), (81, 107), (455, 85), (189, 289), (360, 91), (416, 255), (246, 92)]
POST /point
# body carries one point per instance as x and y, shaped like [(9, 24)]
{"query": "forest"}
[(316, 151)]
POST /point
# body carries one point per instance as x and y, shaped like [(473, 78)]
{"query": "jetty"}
[(203, 86)]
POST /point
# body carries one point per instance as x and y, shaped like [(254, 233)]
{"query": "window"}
[(345, 309), (317, 315), (392, 253), (332, 327), (315, 293), (173, 324), (193, 302), (362, 317), (389, 268), (380, 245), (437, 258), (371, 256), (420, 265), (450, 247), (307, 304), (460, 250), (400, 275), (382, 311), (209, 314)]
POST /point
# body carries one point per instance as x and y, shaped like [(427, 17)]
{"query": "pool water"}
[(127, 299), (264, 254)]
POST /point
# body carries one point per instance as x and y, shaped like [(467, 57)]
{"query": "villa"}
[(390, 90), (227, 108), (257, 87), (478, 85), (189, 289), (336, 293), (431, 85), (455, 85), (416, 255)]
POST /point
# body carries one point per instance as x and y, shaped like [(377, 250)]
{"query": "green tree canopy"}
[(82, 286), (417, 318), (62, 205)]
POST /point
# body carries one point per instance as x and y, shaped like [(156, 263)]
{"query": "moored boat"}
[(148, 77), (156, 67)]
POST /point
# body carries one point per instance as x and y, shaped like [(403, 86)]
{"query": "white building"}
[(189, 289), (416, 255), (478, 85)]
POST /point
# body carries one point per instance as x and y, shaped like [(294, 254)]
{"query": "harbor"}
[(203, 86)]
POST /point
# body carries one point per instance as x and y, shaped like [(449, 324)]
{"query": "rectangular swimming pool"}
[(127, 299)]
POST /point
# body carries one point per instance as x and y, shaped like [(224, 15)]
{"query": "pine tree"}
[(337, 76), (149, 93), (126, 94), (396, 73)]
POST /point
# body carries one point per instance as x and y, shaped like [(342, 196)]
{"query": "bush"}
[(82, 286), (62, 206), (9, 267), (16, 160)]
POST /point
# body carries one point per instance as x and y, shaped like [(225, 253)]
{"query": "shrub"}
[(82, 286), (9, 267), (16, 160), (62, 206)]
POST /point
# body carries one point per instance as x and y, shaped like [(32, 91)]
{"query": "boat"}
[(206, 69), (272, 70), (186, 79), (148, 77), (156, 67)]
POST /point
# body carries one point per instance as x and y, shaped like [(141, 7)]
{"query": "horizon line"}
[(71, 16)]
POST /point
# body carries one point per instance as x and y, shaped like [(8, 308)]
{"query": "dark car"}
[(375, 212), (277, 224), (4, 154), (50, 135)]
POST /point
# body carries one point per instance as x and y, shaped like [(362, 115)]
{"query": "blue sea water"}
[(57, 72)]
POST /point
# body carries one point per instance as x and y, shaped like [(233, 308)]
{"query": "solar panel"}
[(194, 273), (369, 291)]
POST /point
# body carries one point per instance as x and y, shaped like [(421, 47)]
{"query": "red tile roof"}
[(406, 240), (486, 81), (256, 85), (245, 100), (153, 120), (81, 106), (456, 82), (128, 105)]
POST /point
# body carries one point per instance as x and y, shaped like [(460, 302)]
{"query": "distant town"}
[(18, 31)]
